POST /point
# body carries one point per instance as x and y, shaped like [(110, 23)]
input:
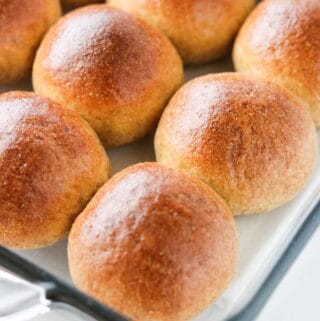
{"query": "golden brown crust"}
[(51, 162), (114, 69), (281, 42), (23, 23), (71, 4), (249, 139), (202, 30), (154, 244)]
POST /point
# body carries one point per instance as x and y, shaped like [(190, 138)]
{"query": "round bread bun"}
[(154, 244), (114, 69), (201, 30), (23, 23), (281, 41), (71, 4), (51, 163), (252, 141)]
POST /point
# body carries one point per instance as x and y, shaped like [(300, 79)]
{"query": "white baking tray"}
[(263, 238)]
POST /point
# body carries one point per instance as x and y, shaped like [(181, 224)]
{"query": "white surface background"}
[(297, 298)]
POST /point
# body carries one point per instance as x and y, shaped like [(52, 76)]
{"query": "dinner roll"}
[(201, 30), (281, 41), (114, 69), (154, 244), (51, 163), (71, 4), (22, 26), (252, 141)]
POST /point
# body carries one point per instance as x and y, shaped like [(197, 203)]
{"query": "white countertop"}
[(297, 298)]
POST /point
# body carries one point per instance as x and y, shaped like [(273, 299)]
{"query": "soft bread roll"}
[(154, 244), (23, 23), (114, 69), (71, 4), (51, 163), (281, 41), (201, 30), (252, 141)]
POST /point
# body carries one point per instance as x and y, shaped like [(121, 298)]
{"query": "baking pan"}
[(268, 244)]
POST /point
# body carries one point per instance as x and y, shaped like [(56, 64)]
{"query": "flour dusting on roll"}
[(51, 163), (23, 23), (112, 68), (280, 41), (154, 244), (201, 30), (251, 140)]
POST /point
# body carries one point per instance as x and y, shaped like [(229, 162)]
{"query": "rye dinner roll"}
[(51, 163), (154, 244), (281, 42), (251, 140), (201, 30), (23, 23), (112, 68)]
